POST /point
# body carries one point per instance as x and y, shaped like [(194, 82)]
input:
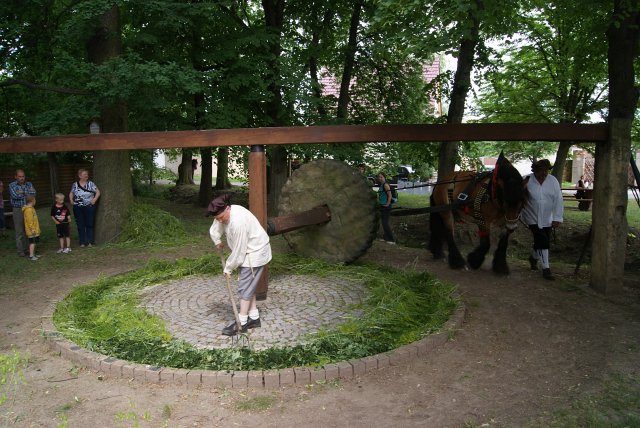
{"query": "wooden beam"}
[(310, 135)]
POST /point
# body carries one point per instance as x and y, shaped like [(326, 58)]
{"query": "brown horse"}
[(493, 197)]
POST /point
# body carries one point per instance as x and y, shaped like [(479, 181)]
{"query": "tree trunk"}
[(612, 159), (349, 61), (185, 172), (222, 176), (273, 13), (461, 84), (313, 59), (206, 171), (111, 169), (561, 159), (52, 157)]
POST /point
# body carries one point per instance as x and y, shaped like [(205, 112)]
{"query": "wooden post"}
[(258, 201), (610, 209)]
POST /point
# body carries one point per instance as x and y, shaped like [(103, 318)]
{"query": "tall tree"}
[(554, 71), (612, 159), (461, 82), (111, 168)]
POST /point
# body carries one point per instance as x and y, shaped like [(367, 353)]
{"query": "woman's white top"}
[(545, 203), (247, 239)]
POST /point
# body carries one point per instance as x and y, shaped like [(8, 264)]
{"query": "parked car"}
[(404, 171)]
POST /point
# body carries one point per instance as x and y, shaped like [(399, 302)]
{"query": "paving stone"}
[(358, 367), (370, 363), (332, 371), (166, 375), (383, 360), (271, 379), (224, 379), (194, 377), (209, 377), (254, 379), (287, 377), (345, 370), (303, 375), (127, 371), (240, 379), (399, 357), (152, 374), (317, 374), (422, 347), (180, 376)]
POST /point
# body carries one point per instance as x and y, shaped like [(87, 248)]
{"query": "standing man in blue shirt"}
[(18, 191)]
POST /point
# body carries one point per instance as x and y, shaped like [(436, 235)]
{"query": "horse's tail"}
[(437, 228)]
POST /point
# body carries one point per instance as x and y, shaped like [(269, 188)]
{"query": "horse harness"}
[(464, 199)]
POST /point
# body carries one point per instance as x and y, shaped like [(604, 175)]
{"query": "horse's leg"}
[(456, 261), (436, 227), (500, 256), (476, 257)]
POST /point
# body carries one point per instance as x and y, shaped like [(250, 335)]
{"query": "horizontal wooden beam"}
[(309, 135)]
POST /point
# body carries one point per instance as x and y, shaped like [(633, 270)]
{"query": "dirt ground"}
[(528, 347)]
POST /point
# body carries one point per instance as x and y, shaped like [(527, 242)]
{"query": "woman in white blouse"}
[(84, 194)]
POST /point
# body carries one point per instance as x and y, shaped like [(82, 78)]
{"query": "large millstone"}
[(353, 207)]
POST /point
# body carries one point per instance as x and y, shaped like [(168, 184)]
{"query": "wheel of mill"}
[(353, 206)]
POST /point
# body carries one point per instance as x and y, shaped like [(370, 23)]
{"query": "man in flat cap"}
[(250, 252), (542, 212)]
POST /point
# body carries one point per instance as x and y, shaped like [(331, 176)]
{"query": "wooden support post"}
[(610, 211), (258, 201)]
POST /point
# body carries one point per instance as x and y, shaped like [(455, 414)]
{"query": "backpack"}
[(394, 192)]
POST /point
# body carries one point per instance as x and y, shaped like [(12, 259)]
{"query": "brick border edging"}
[(266, 379)]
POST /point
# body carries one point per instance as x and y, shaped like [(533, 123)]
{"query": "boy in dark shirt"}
[(61, 215)]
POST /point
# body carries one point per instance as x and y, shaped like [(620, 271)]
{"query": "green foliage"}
[(148, 225), (403, 307)]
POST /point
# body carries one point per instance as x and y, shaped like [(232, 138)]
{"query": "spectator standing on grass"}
[(84, 194), (31, 225), (385, 200), (250, 253), (580, 186), (19, 190), (542, 212), (61, 217)]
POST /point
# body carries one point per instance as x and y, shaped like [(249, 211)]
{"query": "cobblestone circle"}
[(196, 308)]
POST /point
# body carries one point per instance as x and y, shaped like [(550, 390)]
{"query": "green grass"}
[(406, 200), (403, 307), (258, 403)]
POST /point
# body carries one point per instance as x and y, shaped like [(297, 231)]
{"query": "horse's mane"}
[(513, 191)]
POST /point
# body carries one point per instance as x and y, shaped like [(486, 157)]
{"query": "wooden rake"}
[(231, 298)]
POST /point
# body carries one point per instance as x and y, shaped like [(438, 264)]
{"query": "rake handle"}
[(231, 298)]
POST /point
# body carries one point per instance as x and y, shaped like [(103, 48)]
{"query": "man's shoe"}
[(533, 263), (251, 324), (546, 274), (231, 329)]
